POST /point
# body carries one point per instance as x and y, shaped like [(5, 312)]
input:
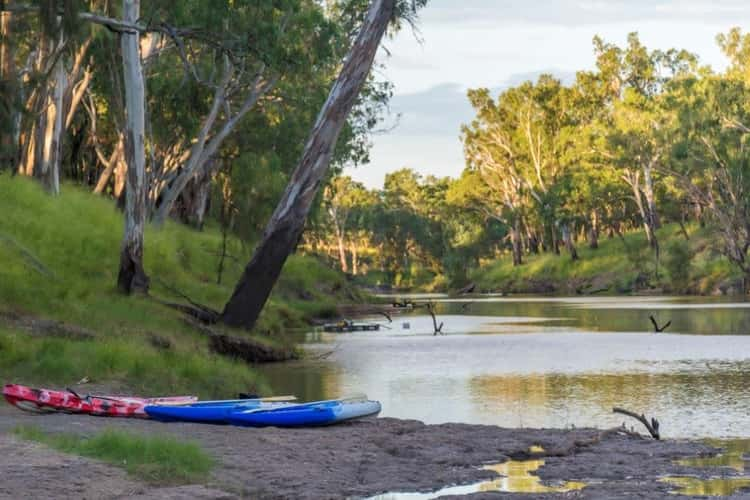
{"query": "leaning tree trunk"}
[(285, 227), (132, 278)]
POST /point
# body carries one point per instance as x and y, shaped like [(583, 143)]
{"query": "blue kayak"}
[(307, 414), (213, 412)]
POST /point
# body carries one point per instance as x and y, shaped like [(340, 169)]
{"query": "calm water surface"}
[(545, 362)]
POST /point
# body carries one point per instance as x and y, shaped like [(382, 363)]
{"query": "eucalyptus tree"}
[(636, 79), (44, 75), (516, 144), (285, 227), (340, 198), (258, 48), (709, 156), (132, 277)]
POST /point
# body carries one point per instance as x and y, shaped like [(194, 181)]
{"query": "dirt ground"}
[(354, 460)]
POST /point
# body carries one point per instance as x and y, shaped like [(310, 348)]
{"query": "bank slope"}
[(58, 265)]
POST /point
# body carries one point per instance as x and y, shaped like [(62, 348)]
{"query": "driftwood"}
[(468, 289), (652, 427), (387, 316), (431, 309), (657, 328)]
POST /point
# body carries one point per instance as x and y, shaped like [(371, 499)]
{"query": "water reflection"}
[(715, 487), (732, 455), (686, 403), (544, 363), (517, 477), (690, 315)]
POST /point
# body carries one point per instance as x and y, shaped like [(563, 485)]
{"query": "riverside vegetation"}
[(59, 259)]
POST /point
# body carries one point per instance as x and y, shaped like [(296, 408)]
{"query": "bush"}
[(678, 263)]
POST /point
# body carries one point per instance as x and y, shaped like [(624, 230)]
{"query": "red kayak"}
[(47, 400)]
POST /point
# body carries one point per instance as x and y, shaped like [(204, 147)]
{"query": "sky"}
[(463, 44)]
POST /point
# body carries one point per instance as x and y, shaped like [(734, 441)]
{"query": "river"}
[(544, 362)]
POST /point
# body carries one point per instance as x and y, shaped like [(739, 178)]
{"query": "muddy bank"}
[(354, 460)]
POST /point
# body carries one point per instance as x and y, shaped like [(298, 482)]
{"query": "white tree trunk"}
[(203, 150), (132, 277)]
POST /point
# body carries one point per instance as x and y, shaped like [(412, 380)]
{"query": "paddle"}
[(354, 397), (269, 399)]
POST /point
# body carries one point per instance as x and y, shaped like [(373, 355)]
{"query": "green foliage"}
[(155, 459), (59, 258), (617, 266), (678, 261), (126, 363)]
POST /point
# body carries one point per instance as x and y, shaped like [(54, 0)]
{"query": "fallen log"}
[(652, 427)]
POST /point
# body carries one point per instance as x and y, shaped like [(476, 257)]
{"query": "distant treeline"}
[(645, 138)]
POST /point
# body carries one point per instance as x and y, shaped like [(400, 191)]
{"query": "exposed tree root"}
[(246, 349)]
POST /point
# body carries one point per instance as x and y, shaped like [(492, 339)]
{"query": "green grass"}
[(619, 266), (60, 258), (161, 460), (122, 365)]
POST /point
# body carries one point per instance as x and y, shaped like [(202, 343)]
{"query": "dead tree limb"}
[(657, 328), (431, 309), (198, 311), (387, 316), (652, 427)]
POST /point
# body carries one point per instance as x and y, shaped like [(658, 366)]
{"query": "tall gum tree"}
[(287, 222), (132, 277)]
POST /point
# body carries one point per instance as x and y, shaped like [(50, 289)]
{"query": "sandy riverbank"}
[(353, 460)]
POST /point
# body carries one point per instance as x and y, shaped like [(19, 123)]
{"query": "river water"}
[(544, 362)]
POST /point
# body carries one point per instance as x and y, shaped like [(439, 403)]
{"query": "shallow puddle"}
[(732, 457), (718, 487), (518, 478)]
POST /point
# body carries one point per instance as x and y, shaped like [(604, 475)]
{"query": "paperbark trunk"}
[(515, 242), (648, 190), (131, 277), (568, 240), (9, 80), (342, 251), (593, 231), (355, 257), (285, 227)]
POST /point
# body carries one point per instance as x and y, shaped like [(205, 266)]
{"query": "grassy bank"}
[(59, 260), (160, 460), (622, 265)]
